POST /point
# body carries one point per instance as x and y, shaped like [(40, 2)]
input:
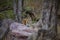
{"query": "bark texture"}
[(15, 9), (17, 5), (19, 10), (48, 19)]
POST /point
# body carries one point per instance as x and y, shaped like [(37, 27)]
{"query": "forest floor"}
[(58, 36), (14, 38)]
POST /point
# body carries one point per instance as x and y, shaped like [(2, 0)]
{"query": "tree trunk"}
[(49, 24), (19, 10), (15, 10), (46, 14)]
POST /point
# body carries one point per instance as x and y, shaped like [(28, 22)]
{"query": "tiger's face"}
[(25, 21)]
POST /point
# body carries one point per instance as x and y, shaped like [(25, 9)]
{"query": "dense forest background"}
[(6, 8)]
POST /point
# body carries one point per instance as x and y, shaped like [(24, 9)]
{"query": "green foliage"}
[(24, 15), (2, 16), (7, 13), (28, 8), (10, 14)]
